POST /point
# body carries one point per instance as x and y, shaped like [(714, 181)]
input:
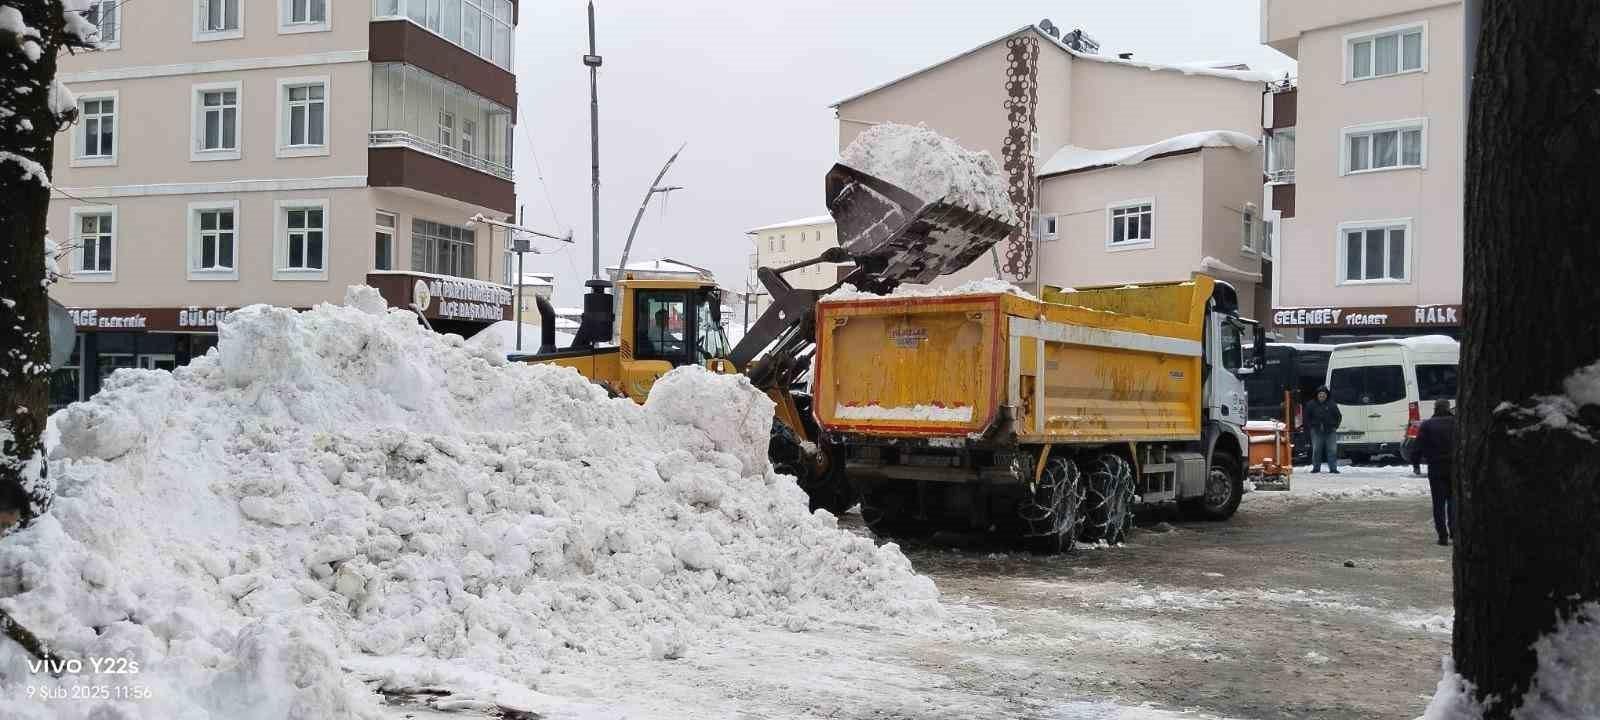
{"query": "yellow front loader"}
[(889, 234)]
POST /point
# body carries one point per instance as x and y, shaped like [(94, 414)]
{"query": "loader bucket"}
[(906, 239)]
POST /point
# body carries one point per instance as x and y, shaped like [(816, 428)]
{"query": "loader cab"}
[(669, 322)]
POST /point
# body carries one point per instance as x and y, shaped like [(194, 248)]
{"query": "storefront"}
[(149, 338), (1351, 324)]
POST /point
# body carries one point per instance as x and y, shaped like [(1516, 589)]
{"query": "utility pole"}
[(593, 61)]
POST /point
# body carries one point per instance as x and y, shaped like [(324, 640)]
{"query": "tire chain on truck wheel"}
[(1051, 514), (1108, 500)]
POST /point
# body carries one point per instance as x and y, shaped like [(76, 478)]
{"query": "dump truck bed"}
[(1096, 366)]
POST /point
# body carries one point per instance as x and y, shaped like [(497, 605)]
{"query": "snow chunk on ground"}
[(932, 167), (337, 489), (986, 286), (1073, 157)]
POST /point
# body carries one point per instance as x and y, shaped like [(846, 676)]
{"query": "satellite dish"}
[(63, 334)]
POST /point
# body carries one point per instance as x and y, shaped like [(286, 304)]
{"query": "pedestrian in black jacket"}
[(1436, 445), (1323, 418)]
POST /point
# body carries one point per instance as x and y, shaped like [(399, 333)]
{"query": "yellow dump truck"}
[(1045, 419)]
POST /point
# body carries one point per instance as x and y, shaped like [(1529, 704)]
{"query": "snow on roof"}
[(663, 266), (1205, 69), (1414, 341), (1072, 157), (1314, 347), (1213, 264), (798, 222)]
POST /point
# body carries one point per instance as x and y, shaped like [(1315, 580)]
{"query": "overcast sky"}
[(748, 84)]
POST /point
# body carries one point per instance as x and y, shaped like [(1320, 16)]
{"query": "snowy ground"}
[(1255, 618)]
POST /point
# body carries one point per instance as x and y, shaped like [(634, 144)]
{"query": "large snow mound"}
[(932, 167), (984, 286), (340, 495)]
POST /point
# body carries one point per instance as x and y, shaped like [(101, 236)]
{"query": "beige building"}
[(1124, 171), (1366, 167), (276, 151), (789, 242)]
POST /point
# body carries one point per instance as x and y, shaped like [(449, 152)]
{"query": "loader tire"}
[(1051, 518), (891, 516), (1108, 500), (1224, 489)]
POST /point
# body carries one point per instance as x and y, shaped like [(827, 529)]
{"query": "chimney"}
[(1125, 56)]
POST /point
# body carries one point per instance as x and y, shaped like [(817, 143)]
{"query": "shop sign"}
[(442, 298), (108, 319), (195, 317), (1408, 316)]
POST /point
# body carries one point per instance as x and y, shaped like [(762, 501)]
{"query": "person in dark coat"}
[(1323, 419), (1436, 445)]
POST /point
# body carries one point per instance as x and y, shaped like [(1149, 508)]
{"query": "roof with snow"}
[(1205, 69), (798, 222), (1071, 158), (663, 266)]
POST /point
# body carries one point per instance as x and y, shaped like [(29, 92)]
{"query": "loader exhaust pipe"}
[(547, 324)]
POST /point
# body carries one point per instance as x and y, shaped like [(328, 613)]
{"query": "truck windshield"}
[(710, 341)]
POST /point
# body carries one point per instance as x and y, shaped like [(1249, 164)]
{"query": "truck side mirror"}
[(1259, 361)]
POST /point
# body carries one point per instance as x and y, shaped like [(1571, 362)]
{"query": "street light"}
[(518, 242)]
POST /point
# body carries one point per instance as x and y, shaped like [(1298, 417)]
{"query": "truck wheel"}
[(889, 516), (1224, 489), (1108, 502), (831, 491), (1050, 514)]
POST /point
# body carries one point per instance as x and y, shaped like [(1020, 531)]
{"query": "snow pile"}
[(501, 336), (342, 489), (1560, 412), (1566, 685), (932, 167), (1072, 157), (928, 413), (986, 286)]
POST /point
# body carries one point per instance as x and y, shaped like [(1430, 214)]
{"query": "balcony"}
[(401, 138)]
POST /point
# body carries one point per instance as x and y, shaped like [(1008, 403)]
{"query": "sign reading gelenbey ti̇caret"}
[(1401, 316)]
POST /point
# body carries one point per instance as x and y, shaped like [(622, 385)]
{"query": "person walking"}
[(1323, 419), (1436, 445)]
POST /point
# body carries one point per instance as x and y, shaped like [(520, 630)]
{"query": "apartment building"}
[(1124, 171), (789, 242), (277, 151), (1365, 167)]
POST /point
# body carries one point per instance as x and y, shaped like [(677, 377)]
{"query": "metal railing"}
[(401, 138), (1284, 176)]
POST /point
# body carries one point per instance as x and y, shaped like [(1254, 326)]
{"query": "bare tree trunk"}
[(1527, 548), (27, 140)]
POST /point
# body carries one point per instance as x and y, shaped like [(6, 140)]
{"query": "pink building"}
[(232, 152), (1125, 171), (1365, 160)]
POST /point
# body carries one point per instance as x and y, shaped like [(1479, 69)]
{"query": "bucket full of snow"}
[(340, 501), (912, 205)]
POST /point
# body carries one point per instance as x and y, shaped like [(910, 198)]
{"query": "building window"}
[(296, 16), (1047, 227), (106, 15), (1248, 232), (213, 241), (94, 242), (1376, 252), (303, 121), (481, 27), (383, 242), (417, 109), (217, 20), (301, 248), (66, 381), (1280, 155), (1385, 147), (442, 249), (772, 244), (1131, 225), (1388, 52), (216, 122), (96, 136)]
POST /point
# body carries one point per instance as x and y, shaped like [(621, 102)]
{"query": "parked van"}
[(1294, 368), (1382, 386)]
